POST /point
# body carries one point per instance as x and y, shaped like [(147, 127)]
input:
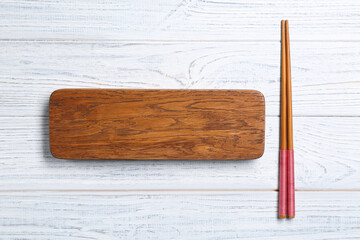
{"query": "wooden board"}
[(156, 124)]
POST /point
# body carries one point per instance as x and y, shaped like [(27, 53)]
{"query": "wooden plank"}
[(187, 215), (325, 75), (179, 20), (156, 124), (326, 158)]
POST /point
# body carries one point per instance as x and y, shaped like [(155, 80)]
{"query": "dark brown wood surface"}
[(156, 124)]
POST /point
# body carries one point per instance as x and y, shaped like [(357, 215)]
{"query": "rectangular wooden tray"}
[(156, 124)]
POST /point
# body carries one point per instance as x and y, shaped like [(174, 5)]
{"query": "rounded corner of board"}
[(260, 94), (56, 154)]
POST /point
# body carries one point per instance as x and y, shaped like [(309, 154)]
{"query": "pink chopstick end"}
[(291, 184), (283, 184)]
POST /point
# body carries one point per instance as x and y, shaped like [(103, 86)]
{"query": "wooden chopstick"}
[(283, 148), (286, 178), (283, 89), (290, 146)]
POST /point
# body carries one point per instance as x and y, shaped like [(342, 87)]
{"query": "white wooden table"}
[(48, 45)]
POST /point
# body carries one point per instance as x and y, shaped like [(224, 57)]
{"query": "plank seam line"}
[(164, 190), (84, 41), (272, 116)]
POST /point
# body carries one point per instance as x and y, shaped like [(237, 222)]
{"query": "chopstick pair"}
[(286, 179)]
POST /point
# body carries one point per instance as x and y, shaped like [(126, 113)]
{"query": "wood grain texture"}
[(156, 124), (26, 162), (325, 75), (181, 215), (179, 20)]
